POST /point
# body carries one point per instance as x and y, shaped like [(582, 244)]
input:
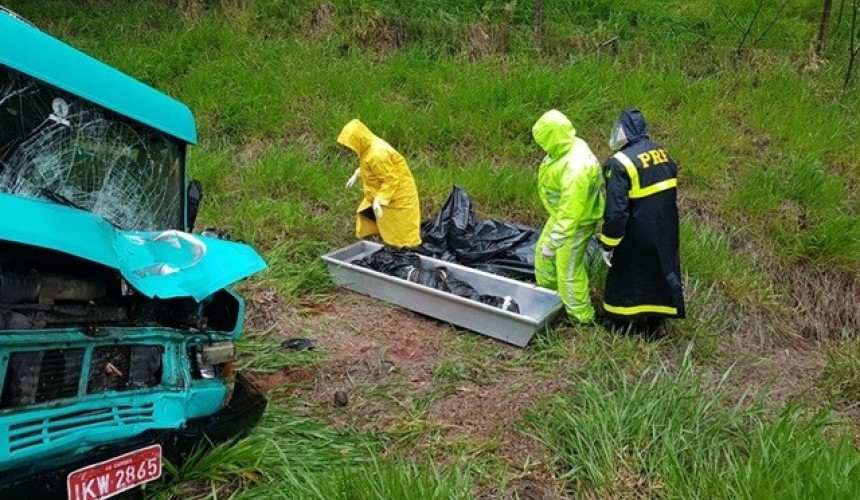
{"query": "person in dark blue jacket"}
[(640, 236)]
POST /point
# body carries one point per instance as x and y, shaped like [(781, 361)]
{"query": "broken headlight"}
[(212, 361)]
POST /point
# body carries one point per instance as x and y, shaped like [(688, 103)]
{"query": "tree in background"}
[(821, 43), (538, 23), (854, 44), (747, 28)]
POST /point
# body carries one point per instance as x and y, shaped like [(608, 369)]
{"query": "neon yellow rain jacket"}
[(569, 180), (569, 184), (385, 175)]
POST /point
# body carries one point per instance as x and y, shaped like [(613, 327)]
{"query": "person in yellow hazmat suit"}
[(569, 185), (390, 205)]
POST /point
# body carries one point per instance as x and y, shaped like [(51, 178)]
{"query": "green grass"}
[(259, 352), (841, 377), (812, 217), (293, 457), (679, 436), (768, 176)]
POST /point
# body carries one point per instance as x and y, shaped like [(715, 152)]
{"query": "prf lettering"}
[(653, 157)]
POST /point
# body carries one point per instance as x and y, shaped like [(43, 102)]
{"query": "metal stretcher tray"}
[(537, 305)]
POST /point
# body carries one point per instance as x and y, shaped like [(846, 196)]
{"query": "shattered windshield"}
[(58, 146)]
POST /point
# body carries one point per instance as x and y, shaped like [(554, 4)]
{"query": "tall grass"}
[(679, 435), (809, 214), (294, 457), (840, 378)]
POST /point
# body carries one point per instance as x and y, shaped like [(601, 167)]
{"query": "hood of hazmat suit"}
[(569, 179)]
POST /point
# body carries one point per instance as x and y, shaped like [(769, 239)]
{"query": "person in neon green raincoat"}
[(569, 183), (390, 205)]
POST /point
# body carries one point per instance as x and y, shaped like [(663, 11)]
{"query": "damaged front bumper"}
[(47, 479)]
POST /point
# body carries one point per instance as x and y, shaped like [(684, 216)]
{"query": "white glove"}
[(352, 180), (607, 256), (547, 252), (377, 208)]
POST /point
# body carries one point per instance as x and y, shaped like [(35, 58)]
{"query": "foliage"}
[(679, 436)]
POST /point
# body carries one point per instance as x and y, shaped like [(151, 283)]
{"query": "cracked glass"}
[(57, 146)]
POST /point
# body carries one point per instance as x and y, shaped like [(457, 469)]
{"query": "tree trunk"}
[(538, 23), (825, 25), (852, 48)]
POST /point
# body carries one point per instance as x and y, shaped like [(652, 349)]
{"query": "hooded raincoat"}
[(641, 225), (569, 185), (384, 175)]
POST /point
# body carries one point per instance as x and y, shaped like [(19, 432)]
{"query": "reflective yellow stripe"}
[(610, 242), (654, 188), (635, 190), (631, 171), (647, 308)]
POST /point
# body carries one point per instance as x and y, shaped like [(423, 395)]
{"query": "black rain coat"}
[(640, 223)]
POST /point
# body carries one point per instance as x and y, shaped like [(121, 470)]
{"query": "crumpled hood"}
[(554, 133), (356, 136), (633, 124), (164, 264)]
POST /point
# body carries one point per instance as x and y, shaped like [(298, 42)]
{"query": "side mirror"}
[(193, 197)]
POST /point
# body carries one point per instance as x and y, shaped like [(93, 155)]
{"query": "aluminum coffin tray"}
[(537, 305)]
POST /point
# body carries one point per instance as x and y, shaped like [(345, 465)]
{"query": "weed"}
[(260, 352), (841, 376), (679, 436)]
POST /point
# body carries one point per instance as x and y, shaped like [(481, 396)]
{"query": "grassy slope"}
[(765, 142)]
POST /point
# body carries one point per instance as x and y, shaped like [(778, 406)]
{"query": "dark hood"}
[(633, 124)]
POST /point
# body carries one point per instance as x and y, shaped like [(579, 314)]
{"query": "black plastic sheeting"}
[(407, 265), (456, 235)]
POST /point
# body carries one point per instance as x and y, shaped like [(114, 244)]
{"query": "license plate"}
[(113, 476)]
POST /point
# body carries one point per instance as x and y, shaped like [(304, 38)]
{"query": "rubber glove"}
[(607, 256), (377, 208), (547, 252), (352, 180)]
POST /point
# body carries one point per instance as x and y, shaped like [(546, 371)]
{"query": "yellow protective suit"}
[(569, 185), (385, 176)]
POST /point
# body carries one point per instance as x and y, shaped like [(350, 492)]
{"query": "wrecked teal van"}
[(117, 324)]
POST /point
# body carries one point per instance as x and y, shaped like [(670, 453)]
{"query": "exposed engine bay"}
[(41, 288)]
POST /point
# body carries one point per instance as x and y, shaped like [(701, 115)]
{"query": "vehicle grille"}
[(42, 376), (44, 431), (37, 377), (125, 367)]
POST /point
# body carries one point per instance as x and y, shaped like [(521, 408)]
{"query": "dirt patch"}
[(825, 304), (320, 22), (490, 36), (269, 381), (382, 357), (385, 34), (317, 209), (762, 143), (531, 487), (786, 373), (385, 359), (352, 325), (250, 152), (267, 311), (479, 43), (491, 412), (191, 10)]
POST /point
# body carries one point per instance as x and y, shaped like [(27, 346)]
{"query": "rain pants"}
[(384, 174), (641, 225), (569, 185)]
